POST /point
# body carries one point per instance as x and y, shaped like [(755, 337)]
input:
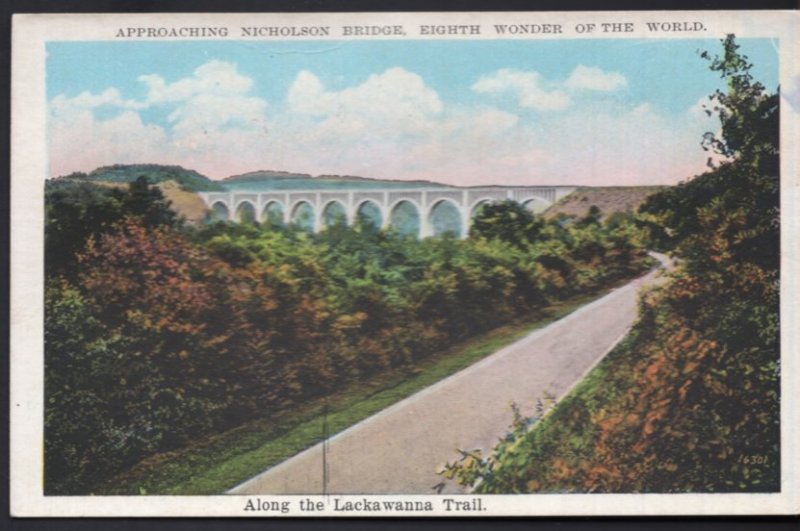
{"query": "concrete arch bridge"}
[(421, 212)]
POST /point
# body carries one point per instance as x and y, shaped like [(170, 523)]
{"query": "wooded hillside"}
[(690, 401)]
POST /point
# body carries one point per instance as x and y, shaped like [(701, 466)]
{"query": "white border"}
[(28, 171)]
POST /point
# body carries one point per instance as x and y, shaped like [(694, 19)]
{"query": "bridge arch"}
[(537, 205), (405, 218), (478, 205), (219, 211), (333, 213), (273, 213), (245, 212), (368, 214), (302, 216), (445, 217)]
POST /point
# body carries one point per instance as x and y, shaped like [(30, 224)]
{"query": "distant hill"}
[(189, 180), (279, 180), (265, 175), (383, 182), (263, 180), (608, 199)]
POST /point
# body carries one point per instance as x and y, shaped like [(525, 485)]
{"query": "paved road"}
[(398, 450)]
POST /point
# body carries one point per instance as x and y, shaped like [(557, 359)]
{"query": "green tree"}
[(508, 221), (748, 113), (146, 201), (75, 211)]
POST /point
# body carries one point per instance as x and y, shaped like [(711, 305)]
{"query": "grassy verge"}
[(551, 452), (218, 463)]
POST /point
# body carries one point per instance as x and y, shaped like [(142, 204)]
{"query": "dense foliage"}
[(158, 334), (690, 402), (76, 210)]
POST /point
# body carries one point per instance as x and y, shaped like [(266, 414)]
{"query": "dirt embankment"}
[(608, 199), (187, 205)]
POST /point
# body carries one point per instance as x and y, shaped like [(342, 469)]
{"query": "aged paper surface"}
[(445, 114)]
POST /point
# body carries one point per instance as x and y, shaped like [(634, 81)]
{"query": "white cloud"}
[(305, 93), (372, 124), (80, 142), (476, 146), (213, 101), (532, 91), (213, 122), (527, 87), (627, 145), (214, 77), (110, 97), (493, 121), (208, 113), (396, 99), (390, 125), (593, 78)]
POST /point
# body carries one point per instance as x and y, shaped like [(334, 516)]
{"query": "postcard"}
[(405, 264)]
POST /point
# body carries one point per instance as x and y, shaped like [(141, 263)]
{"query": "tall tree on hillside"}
[(147, 202), (749, 175), (748, 114)]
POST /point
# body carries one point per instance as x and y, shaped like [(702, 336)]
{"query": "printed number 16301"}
[(754, 459)]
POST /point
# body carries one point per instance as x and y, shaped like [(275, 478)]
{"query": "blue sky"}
[(463, 112)]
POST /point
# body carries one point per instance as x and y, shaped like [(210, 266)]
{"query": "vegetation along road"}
[(399, 449)]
